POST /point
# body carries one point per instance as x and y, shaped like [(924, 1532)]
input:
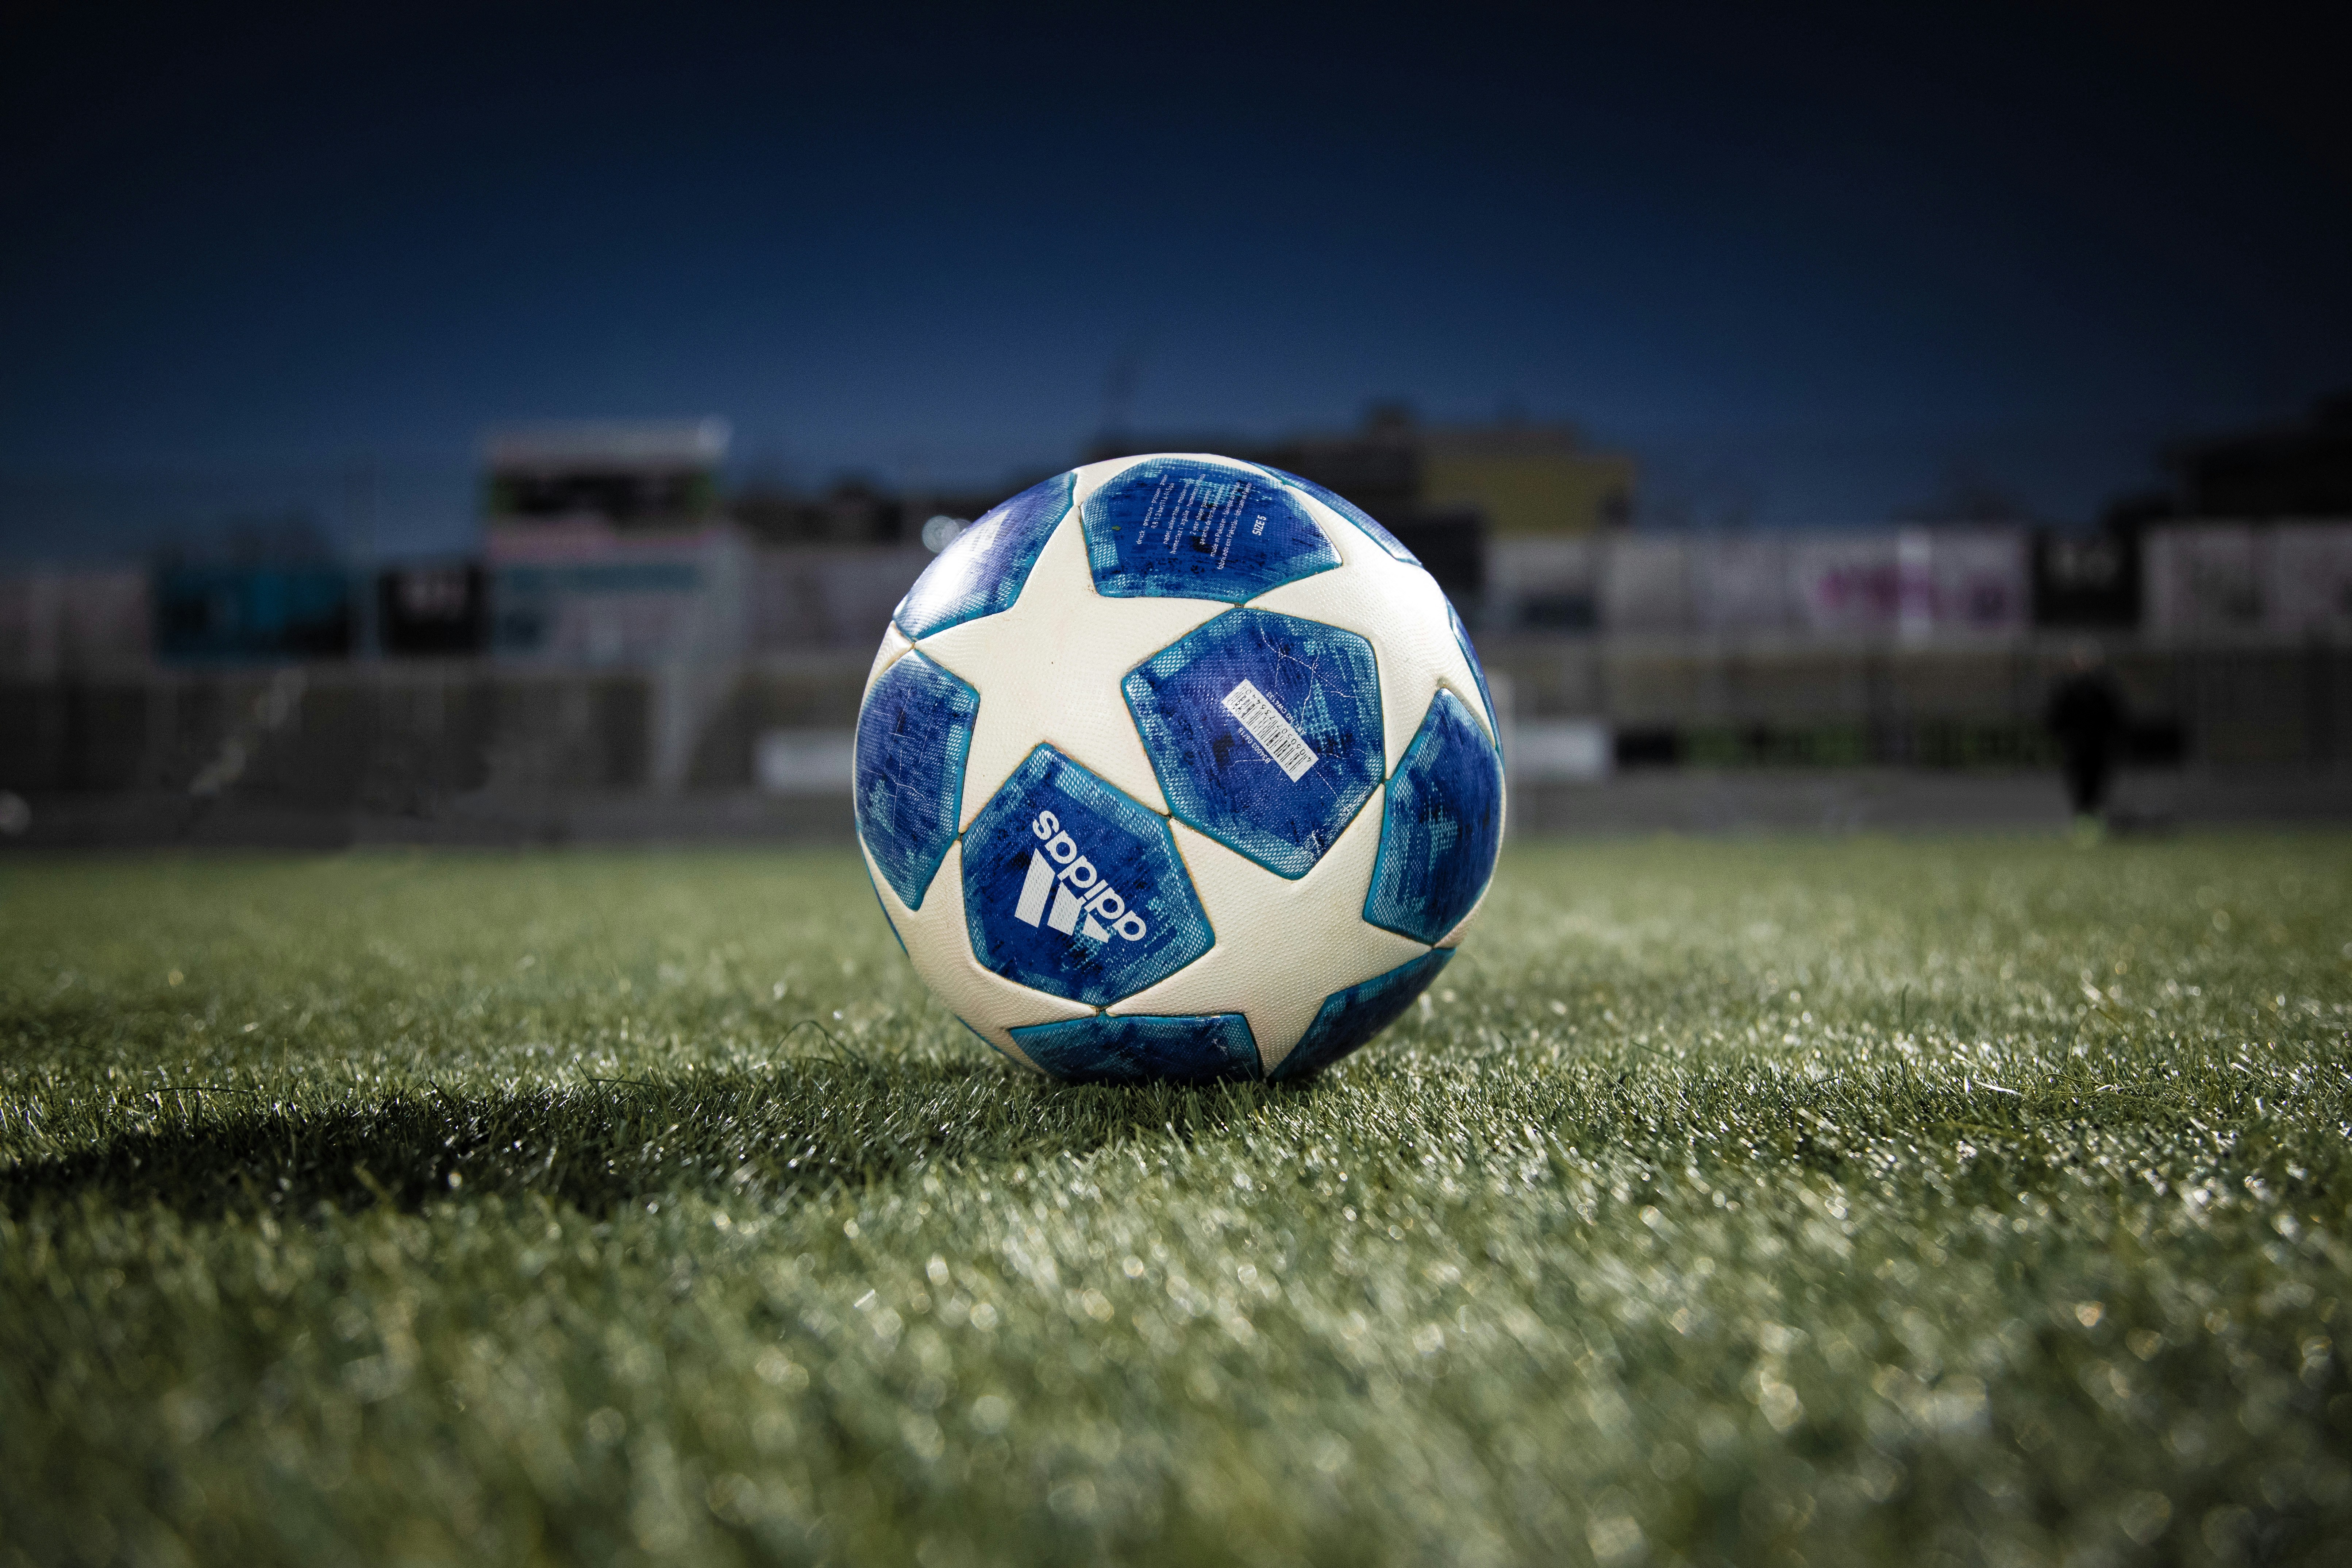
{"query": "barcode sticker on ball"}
[(1266, 725)]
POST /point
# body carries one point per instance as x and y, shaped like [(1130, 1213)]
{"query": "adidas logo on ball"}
[(1209, 752), (1076, 888)]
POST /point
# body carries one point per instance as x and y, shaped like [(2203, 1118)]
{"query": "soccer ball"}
[(1178, 767)]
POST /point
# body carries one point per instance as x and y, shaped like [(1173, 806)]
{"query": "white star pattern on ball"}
[(1321, 912), (1049, 669), (1400, 610)]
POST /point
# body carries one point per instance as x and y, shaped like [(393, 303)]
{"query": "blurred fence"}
[(1798, 705), (422, 740)]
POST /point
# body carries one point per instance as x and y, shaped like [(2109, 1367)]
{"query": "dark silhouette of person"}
[(2086, 720)]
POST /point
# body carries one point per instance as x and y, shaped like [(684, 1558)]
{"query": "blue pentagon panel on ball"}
[(1075, 887), (1442, 824), (1347, 1018), (1353, 512), (1107, 1050), (1178, 527), (1462, 640), (913, 733), (1265, 732), (980, 573)]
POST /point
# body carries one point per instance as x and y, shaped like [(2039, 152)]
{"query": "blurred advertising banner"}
[(272, 614), (1909, 586), (1915, 584), (2229, 581), (2311, 576)]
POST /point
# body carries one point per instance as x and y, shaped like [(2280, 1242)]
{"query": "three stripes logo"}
[(1075, 889)]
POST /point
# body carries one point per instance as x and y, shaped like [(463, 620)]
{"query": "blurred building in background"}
[(605, 543), (607, 547), (69, 625), (633, 476), (630, 642)]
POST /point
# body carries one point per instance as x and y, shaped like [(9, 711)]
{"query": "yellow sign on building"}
[(1527, 480)]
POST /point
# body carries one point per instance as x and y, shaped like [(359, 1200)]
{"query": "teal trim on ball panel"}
[(1141, 1049), (1477, 671), (1350, 1018), (983, 571), (1353, 512), (914, 730), (1442, 827), (1265, 733), (1180, 528), (1075, 887)]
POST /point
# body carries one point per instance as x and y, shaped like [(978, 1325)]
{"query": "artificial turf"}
[(1866, 1201)]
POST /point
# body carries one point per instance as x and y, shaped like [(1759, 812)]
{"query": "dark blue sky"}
[(1813, 272)]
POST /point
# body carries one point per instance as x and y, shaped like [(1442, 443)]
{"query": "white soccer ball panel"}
[(894, 646), (1281, 946), (1048, 670), (1401, 611)]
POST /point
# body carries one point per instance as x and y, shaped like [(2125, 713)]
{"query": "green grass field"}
[(1856, 1202)]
